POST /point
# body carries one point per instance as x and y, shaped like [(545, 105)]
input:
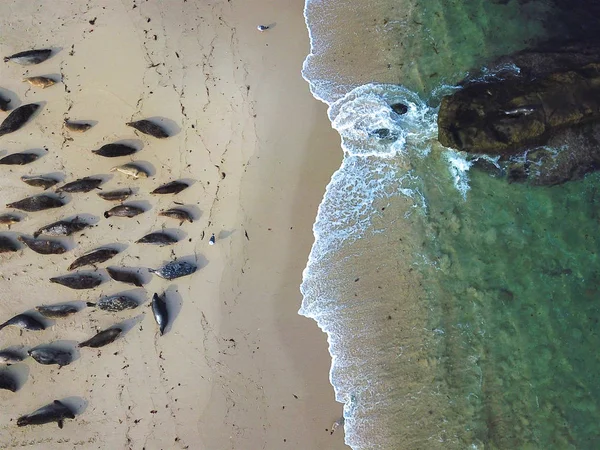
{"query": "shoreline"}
[(239, 368)]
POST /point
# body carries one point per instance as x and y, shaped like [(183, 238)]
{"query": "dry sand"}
[(238, 369)]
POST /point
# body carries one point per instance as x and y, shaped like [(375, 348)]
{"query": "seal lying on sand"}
[(39, 181), (43, 246), (176, 213), (24, 321), (50, 355), (36, 203), (19, 159), (29, 57), (78, 281), (115, 303), (150, 128), (161, 314), (116, 196), (17, 118), (123, 211), (4, 103), (173, 187), (8, 356), (9, 219), (54, 412), (157, 238), (82, 185), (94, 257), (62, 228), (115, 150), (57, 311), (7, 245), (8, 381), (102, 338), (125, 276), (131, 170), (175, 269), (40, 82), (78, 127)]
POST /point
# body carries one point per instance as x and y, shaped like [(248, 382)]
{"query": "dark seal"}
[(161, 314), (103, 338), (29, 57), (36, 203), (150, 128), (174, 187), (54, 412), (115, 150), (78, 281), (17, 118)]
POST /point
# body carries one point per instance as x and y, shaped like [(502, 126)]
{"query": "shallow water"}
[(459, 308)]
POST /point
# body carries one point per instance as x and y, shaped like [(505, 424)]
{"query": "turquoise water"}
[(461, 309)]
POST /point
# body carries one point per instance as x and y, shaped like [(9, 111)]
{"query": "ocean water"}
[(461, 311)]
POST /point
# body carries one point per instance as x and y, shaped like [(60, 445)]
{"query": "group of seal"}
[(52, 354)]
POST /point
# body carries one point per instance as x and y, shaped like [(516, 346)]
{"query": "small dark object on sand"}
[(82, 185), (29, 57), (62, 228), (115, 150), (116, 196), (36, 203), (173, 187), (43, 246), (54, 412), (125, 276), (19, 159), (78, 281), (39, 181), (94, 257), (24, 321), (123, 211), (17, 118), (103, 338), (150, 128), (161, 314)]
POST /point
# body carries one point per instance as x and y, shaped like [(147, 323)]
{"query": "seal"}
[(9, 219), (19, 159), (115, 150), (175, 269), (123, 211), (77, 127), (17, 118), (173, 187), (82, 185), (115, 303), (131, 170), (57, 311), (43, 246), (49, 355), (7, 245), (4, 103), (39, 181), (40, 82), (62, 228), (124, 276), (78, 281), (157, 238), (8, 356), (177, 213), (54, 412), (94, 257), (24, 321), (116, 196), (29, 57), (8, 381), (161, 314), (103, 338), (36, 203), (148, 127)]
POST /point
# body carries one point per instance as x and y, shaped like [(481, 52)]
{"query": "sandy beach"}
[(237, 367)]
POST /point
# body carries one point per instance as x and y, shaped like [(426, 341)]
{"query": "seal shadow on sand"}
[(128, 324), (77, 405), (174, 303), (224, 234), (18, 372)]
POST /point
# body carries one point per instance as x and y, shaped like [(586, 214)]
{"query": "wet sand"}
[(238, 368)]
